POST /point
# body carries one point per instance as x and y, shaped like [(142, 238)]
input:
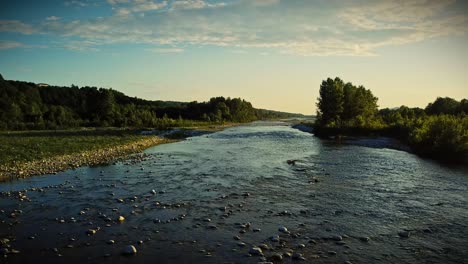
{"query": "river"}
[(211, 198)]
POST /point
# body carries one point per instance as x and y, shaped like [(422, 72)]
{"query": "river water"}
[(340, 202)]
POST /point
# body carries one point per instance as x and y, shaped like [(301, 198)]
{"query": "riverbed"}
[(212, 198)]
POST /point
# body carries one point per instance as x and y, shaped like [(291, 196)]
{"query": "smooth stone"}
[(337, 238), (256, 230), (91, 232), (264, 246), (283, 229), (404, 234), (212, 227), (236, 238), (277, 257), (110, 242), (129, 250), (256, 251), (241, 244), (275, 238), (301, 246), (364, 239)]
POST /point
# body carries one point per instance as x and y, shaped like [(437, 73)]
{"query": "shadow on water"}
[(211, 198)]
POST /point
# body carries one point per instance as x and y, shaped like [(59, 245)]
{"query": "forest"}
[(28, 106), (440, 130)]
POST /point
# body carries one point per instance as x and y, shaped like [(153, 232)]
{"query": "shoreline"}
[(104, 155), (60, 163)]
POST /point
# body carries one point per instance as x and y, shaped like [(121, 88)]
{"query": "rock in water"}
[(404, 234), (275, 238), (256, 251), (121, 218), (283, 229), (129, 250)]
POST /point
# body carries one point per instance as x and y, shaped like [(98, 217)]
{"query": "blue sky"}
[(273, 53)]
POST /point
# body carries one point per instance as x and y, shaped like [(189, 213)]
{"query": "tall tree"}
[(331, 101)]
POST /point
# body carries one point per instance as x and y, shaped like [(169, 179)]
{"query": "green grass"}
[(36, 145)]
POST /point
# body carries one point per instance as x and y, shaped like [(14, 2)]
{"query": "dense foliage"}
[(440, 130), (29, 106), (342, 105)]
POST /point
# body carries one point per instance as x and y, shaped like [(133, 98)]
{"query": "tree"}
[(330, 103), (444, 105)]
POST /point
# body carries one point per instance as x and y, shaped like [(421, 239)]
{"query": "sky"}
[(273, 53)]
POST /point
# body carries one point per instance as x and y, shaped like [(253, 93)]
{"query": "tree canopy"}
[(25, 105), (344, 105)]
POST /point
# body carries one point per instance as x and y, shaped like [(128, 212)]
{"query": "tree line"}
[(440, 130), (25, 105)]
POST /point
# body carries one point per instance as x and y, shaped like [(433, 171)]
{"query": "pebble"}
[(264, 246), (121, 218), (337, 238), (256, 230), (283, 229), (91, 232), (256, 251), (241, 244), (297, 256), (236, 237), (110, 242), (275, 238), (277, 257), (212, 227), (364, 239), (404, 234), (129, 250), (301, 246)]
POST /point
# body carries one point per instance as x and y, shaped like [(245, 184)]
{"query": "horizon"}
[(271, 53)]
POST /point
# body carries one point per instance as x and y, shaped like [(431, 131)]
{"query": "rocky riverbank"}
[(86, 158)]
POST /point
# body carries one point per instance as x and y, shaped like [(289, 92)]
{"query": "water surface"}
[(206, 187)]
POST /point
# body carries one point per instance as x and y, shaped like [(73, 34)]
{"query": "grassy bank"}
[(23, 154), (27, 153)]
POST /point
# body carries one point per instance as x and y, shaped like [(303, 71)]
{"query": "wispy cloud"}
[(308, 28), (166, 50), (77, 3), (52, 18), (16, 26), (10, 45), (195, 4)]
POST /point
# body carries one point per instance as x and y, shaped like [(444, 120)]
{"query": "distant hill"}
[(26, 105)]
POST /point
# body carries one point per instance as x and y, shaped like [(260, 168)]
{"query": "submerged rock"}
[(404, 234), (256, 251), (129, 250), (275, 238), (283, 229)]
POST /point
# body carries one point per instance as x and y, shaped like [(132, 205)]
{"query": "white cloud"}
[(16, 26), (76, 3), (122, 11), (142, 6), (166, 50), (195, 4), (279, 26), (52, 18), (10, 45)]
